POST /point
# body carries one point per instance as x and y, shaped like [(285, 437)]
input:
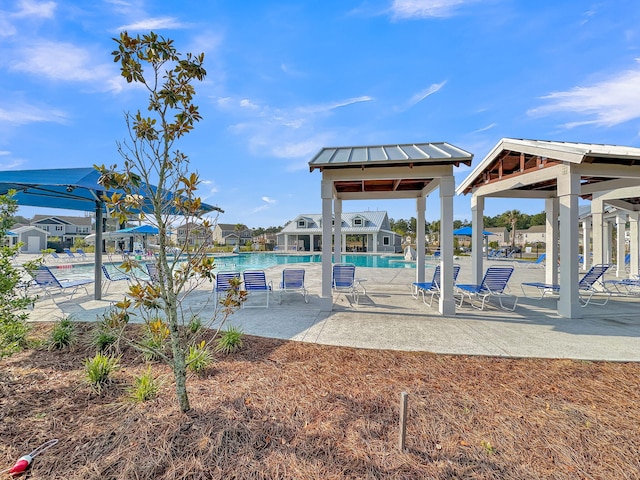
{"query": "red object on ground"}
[(21, 465)]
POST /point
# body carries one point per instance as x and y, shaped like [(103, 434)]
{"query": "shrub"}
[(145, 388), (230, 340), (199, 357), (103, 337), (153, 343), (98, 370), (63, 335)]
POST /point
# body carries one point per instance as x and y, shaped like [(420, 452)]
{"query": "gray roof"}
[(374, 221), (390, 155)]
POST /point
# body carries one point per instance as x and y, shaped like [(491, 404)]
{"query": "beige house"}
[(531, 236), (194, 235), (231, 234), (500, 235)]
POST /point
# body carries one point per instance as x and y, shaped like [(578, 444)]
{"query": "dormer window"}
[(302, 223), (358, 222)]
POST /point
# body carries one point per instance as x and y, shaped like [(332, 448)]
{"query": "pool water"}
[(260, 261)]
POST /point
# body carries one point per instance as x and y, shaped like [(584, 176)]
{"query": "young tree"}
[(13, 326), (151, 158)]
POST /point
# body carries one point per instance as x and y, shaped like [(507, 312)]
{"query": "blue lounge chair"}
[(538, 263), (152, 270), (70, 254), (626, 286), (256, 281), (343, 280), (293, 281), (224, 283), (112, 277), (432, 287), (494, 284), (586, 286), (44, 279)]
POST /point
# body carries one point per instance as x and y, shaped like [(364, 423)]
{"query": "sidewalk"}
[(389, 318)]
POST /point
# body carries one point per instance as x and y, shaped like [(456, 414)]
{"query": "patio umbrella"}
[(466, 232)]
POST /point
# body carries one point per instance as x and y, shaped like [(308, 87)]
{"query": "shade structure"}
[(69, 189), (125, 233), (467, 231)]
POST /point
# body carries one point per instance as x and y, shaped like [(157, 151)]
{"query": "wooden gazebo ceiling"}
[(394, 185), (511, 164)]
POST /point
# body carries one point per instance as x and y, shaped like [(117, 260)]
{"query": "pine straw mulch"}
[(288, 410)]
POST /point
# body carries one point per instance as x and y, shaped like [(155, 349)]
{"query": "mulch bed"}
[(289, 410)]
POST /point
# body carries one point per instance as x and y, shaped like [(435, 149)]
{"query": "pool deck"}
[(388, 317)]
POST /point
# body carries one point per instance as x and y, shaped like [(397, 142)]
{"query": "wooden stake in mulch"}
[(404, 397)]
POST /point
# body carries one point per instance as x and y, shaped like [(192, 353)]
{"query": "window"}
[(357, 222), (59, 228), (302, 223), (386, 241)]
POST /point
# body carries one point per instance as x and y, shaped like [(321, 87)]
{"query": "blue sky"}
[(286, 78)]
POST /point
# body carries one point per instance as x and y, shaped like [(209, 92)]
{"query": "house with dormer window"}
[(361, 232), (231, 234)]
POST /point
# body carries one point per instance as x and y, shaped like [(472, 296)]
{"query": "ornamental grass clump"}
[(98, 370), (145, 387), (199, 357), (230, 340), (63, 335)]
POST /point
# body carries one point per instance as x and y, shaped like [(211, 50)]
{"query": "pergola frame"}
[(390, 172), (560, 173)]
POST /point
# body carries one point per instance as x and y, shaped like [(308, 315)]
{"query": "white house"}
[(361, 232)]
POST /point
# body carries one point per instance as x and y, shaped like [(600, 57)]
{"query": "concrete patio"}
[(388, 317)]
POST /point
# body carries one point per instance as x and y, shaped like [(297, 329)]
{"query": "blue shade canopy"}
[(467, 231), (65, 188), (141, 229)]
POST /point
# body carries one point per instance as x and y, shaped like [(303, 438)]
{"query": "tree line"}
[(511, 219)]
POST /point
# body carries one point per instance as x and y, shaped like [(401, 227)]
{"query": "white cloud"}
[(484, 129), (332, 106), (246, 103), (153, 24), (24, 114), (66, 62), (269, 200), (607, 103), (427, 8), (418, 97), (28, 8)]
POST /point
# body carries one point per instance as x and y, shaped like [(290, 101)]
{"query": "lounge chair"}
[(152, 270), (494, 284), (432, 287), (586, 286), (223, 284), (343, 280), (44, 279), (112, 277), (626, 286), (538, 263), (256, 281), (70, 254), (81, 253), (293, 281)]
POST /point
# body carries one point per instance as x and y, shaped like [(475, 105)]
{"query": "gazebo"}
[(68, 189), (390, 172), (560, 173)]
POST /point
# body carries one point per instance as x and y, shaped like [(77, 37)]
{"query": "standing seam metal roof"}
[(428, 153)]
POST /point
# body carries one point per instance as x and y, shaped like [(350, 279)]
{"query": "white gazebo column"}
[(337, 230), (447, 190), (286, 242), (477, 227), (568, 190), (621, 221), (606, 241), (597, 222), (421, 203), (326, 187), (586, 244), (634, 244), (551, 207), (311, 239), (376, 239)]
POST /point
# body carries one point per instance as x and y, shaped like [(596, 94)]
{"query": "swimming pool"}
[(261, 261)]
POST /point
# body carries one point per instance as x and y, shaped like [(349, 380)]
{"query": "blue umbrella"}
[(466, 231)]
